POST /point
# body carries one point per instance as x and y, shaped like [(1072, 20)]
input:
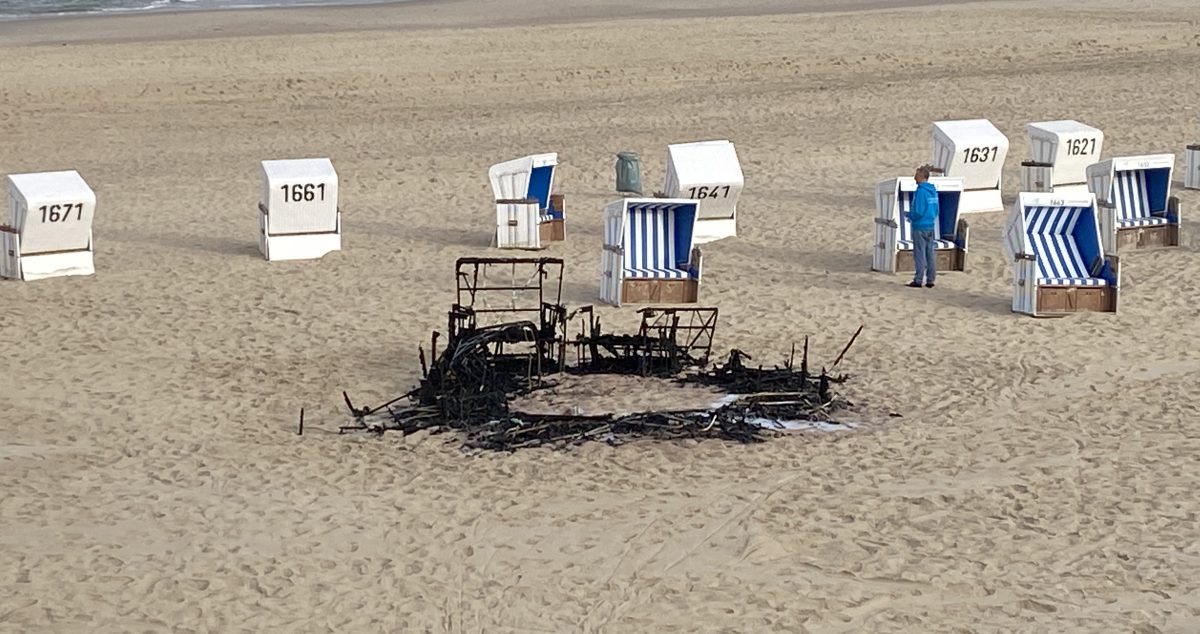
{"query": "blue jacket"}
[(924, 212)]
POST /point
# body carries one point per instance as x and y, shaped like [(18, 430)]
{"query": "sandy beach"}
[(1042, 477)]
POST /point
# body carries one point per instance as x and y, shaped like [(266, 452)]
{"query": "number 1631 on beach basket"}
[(973, 150)]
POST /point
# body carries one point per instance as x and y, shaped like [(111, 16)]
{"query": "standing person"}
[(923, 215)]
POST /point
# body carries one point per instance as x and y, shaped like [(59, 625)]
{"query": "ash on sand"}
[(615, 395), (599, 395), (731, 402)]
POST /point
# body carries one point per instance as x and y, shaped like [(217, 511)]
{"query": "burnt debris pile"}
[(668, 341), (507, 335), (736, 378)]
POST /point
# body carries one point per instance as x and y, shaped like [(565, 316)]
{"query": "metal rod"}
[(804, 361), (850, 343)]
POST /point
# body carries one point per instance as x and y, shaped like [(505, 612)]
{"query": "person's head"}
[(922, 174)]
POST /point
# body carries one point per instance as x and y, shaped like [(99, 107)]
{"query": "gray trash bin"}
[(629, 173)]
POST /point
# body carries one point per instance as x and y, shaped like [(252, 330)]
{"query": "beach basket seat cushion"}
[(1060, 261), (907, 245), (1132, 199), (651, 249), (656, 274)]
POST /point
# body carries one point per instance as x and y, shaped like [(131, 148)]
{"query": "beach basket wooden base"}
[(659, 291), (1064, 300), (1155, 237), (553, 230), (947, 260)]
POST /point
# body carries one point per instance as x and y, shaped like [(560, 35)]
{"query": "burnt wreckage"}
[(507, 336)]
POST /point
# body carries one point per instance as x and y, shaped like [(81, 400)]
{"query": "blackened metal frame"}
[(475, 290), (694, 337)]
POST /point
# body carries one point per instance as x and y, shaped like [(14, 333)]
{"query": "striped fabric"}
[(656, 273), (907, 245), (547, 217), (904, 241), (1140, 222), (1050, 231), (1132, 199), (1072, 281), (650, 243)]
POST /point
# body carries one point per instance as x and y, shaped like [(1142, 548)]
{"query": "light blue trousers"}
[(924, 256)]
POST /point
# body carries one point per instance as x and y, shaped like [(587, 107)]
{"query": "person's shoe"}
[(913, 285), (929, 285)]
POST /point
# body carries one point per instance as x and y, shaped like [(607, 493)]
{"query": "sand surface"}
[(1043, 477)]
